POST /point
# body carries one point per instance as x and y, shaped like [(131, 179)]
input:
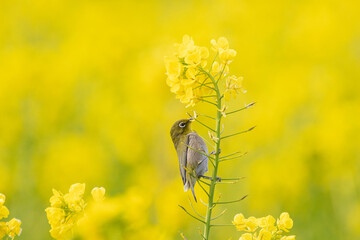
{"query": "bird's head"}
[(180, 127)]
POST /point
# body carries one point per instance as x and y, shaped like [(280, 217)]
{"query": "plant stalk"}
[(216, 161)]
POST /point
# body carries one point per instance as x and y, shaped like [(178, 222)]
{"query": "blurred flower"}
[(65, 211), (239, 222), (98, 193), (13, 228), (10, 228), (246, 236), (285, 222), (220, 45), (99, 218), (264, 235)]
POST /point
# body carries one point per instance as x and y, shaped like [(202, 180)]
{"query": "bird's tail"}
[(190, 183)]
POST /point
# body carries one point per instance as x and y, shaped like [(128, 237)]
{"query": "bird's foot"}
[(218, 179), (214, 152)]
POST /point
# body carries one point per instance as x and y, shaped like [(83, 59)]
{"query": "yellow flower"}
[(185, 47), (285, 222), (2, 199), (4, 212), (56, 216), (220, 45), (74, 198), (56, 200), (251, 224), (217, 68), (233, 86), (3, 229), (184, 71), (173, 67), (292, 237), (264, 235), (267, 223), (227, 56), (246, 236), (13, 227), (204, 52), (193, 58), (65, 211), (239, 222), (98, 194)]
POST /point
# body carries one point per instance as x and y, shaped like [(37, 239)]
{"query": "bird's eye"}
[(182, 124)]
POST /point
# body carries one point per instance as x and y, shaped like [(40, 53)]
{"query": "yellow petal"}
[(98, 194)]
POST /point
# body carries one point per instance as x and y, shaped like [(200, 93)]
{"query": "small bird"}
[(192, 163)]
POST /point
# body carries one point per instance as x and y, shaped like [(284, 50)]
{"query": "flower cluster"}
[(66, 210), (265, 228), (10, 228), (189, 75)]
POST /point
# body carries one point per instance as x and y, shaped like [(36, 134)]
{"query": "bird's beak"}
[(191, 120)]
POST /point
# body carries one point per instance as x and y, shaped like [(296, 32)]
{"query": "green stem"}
[(216, 161)]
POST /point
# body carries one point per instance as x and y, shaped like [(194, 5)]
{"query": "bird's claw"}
[(218, 179), (214, 153)]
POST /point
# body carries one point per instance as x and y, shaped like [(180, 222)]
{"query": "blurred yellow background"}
[(83, 99)]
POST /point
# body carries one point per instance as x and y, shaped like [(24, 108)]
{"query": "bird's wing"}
[(194, 158), (182, 156)]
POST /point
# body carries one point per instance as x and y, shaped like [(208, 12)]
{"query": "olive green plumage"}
[(192, 164)]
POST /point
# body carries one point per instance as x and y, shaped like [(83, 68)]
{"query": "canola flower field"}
[(86, 110)]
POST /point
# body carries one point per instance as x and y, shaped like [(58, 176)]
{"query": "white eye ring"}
[(182, 124)]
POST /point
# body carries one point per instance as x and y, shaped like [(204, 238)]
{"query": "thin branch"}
[(211, 161), (238, 200), (230, 154), (191, 214), (203, 202), (221, 225), (246, 107), (201, 234), (239, 133), (194, 209), (217, 81), (232, 179), (201, 114), (205, 125), (233, 182), (203, 189), (208, 96), (203, 100), (203, 182), (227, 159), (217, 53), (222, 213)]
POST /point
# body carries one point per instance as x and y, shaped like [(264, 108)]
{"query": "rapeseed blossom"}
[(10, 228), (188, 71), (65, 211), (98, 194), (264, 228)]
